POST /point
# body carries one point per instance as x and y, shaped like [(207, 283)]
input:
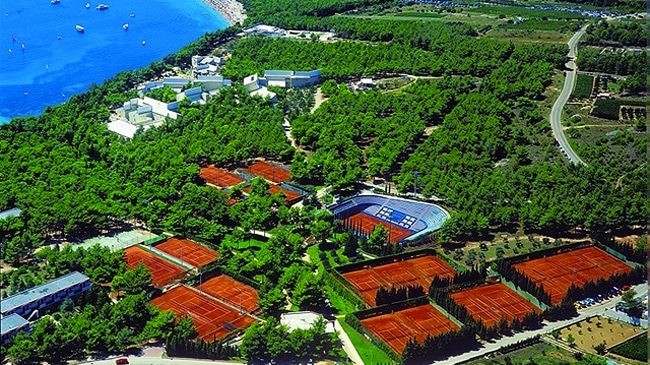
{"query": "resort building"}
[(10, 325), (291, 79), (13, 212), (28, 303), (44, 296), (265, 30)]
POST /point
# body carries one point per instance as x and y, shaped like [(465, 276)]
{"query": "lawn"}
[(593, 331), (337, 301), (517, 11), (369, 353), (540, 353)]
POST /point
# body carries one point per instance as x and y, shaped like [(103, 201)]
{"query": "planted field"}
[(490, 303), (269, 171), (584, 85), (188, 251), (635, 349), (213, 320), (365, 224), (232, 291), (556, 273), (540, 353), (396, 328), (415, 271), (219, 177), (162, 271)]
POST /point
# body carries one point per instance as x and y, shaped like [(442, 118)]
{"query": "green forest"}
[(468, 130)]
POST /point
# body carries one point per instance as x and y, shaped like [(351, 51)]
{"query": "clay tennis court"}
[(415, 271), (232, 291), (162, 271), (213, 320), (490, 303), (396, 328), (188, 251), (366, 224), (290, 197), (219, 177), (556, 273), (269, 172)]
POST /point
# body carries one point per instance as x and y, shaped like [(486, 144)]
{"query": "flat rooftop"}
[(27, 296), (11, 322)]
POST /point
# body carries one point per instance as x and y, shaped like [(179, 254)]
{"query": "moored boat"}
[(102, 7), (79, 28), (55, 1), (87, 5), (125, 26)]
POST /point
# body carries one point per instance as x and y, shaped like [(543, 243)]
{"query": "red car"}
[(121, 361)]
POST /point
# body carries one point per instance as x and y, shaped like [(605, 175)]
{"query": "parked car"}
[(121, 361)]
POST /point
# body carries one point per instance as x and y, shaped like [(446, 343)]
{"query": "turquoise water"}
[(58, 62)]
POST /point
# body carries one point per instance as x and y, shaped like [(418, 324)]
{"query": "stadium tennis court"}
[(407, 219)]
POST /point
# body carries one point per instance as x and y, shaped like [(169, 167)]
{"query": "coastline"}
[(232, 10)]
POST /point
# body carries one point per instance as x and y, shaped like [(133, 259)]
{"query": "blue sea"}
[(44, 60)]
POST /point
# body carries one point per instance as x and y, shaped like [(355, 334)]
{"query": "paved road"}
[(599, 309), (556, 111)]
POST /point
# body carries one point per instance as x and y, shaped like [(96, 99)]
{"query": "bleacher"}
[(418, 217)]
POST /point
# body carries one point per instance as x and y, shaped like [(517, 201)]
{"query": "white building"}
[(255, 87), (290, 79), (304, 320), (265, 30)]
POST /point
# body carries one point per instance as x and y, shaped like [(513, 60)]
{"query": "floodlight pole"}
[(415, 185)]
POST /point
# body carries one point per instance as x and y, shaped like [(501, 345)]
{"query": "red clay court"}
[(556, 273), (490, 303), (269, 172), (162, 271), (419, 270), (366, 223), (219, 177), (213, 320), (231, 291), (188, 251), (396, 328)]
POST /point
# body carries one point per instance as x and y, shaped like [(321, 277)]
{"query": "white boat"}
[(132, 15), (79, 28), (102, 7), (143, 43), (87, 5), (125, 26), (55, 1)]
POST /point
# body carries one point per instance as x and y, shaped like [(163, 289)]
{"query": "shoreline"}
[(232, 10)]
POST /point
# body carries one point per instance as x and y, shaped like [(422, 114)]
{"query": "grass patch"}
[(369, 353), (540, 353), (590, 333), (420, 15), (635, 349), (584, 86)]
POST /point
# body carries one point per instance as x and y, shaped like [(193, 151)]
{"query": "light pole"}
[(415, 185)]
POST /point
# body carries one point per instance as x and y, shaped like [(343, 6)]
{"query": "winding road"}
[(556, 111)]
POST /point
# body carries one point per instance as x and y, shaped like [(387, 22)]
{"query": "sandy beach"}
[(232, 10)]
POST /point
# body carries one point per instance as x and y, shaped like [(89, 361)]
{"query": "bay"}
[(44, 60)]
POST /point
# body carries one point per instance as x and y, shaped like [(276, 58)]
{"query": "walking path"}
[(347, 344)]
